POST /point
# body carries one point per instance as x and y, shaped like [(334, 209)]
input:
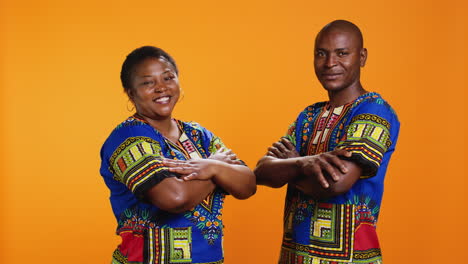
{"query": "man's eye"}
[(320, 53), (147, 82), (342, 53), (168, 78)]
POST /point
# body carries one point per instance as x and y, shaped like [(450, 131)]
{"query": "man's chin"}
[(332, 88)]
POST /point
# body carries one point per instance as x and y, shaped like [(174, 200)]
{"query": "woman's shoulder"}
[(131, 127), (192, 126)]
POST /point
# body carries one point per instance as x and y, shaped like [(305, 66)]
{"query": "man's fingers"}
[(338, 163), (322, 180), (342, 152), (280, 147), (317, 171), (287, 144), (324, 165), (275, 151), (271, 154)]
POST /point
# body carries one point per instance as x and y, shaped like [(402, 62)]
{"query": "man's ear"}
[(363, 57)]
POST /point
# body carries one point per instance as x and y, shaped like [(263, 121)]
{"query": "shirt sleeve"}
[(368, 136), (291, 133), (216, 143), (137, 163)]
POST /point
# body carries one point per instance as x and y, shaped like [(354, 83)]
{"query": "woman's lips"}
[(162, 100)]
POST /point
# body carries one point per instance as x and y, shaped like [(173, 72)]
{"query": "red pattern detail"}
[(362, 149), (188, 146), (332, 120), (131, 246), (321, 124), (365, 237), (143, 173), (122, 165)]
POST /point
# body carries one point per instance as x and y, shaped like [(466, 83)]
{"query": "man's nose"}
[(330, 61)]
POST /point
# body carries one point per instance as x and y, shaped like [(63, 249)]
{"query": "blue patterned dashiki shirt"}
[(131, 165), (341, 229)]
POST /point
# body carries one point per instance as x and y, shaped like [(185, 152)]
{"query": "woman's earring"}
[(130, 109), (182, 94)]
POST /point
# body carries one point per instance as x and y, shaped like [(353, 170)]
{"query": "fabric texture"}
[(341, 229), (131, 164)]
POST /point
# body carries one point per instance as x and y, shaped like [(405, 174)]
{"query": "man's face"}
[(338, 58)]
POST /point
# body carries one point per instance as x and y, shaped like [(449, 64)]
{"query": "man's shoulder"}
[(372, 99), (314, 107)]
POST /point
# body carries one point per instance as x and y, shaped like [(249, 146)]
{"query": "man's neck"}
[(347, 95)]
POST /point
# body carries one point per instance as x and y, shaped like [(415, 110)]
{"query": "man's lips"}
[(331, 76)]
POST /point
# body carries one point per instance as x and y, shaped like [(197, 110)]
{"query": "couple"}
[(168, 178)]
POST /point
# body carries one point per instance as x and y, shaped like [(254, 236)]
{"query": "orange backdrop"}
[(247, 70)]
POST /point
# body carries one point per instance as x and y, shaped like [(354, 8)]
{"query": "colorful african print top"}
[(131, 165), (341, 229)]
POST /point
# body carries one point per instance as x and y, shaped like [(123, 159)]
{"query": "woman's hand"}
[(195, 169), (225, 155)]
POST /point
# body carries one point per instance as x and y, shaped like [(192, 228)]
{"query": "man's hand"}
[(225, 155), (283, 149), (314, 167)]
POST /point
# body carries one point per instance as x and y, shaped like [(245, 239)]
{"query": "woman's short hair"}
[(138, 56)]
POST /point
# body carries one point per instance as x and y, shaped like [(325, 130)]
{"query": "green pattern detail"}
[(291, 134), (137, 145), (181, 243), (215, 144), (383, 141)]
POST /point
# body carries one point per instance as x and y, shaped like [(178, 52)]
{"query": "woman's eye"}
[(147, 82), (168, 78)]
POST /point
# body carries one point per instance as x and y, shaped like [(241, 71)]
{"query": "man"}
[(334, 158)]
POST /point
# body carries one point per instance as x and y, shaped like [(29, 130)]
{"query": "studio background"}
[(247, 70)]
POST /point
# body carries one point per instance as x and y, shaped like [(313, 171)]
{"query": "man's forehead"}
[(340, 30), (338, 38)]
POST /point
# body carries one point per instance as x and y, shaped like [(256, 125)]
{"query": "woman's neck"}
[(167, 127)]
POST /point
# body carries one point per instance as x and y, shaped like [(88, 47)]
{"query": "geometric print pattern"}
[(320, 137), (340, 229), (367, 138), (331, 233), (136, 161), (292, 257), (331, 239), (168, 245)]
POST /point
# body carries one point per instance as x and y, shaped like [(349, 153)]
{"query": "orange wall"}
[(246, 67)]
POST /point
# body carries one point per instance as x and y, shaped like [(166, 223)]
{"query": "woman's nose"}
[(160, 87)]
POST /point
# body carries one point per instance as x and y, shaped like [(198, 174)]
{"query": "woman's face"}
[(155, 88)]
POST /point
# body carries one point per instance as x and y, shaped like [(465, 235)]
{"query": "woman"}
[(167, 178)]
